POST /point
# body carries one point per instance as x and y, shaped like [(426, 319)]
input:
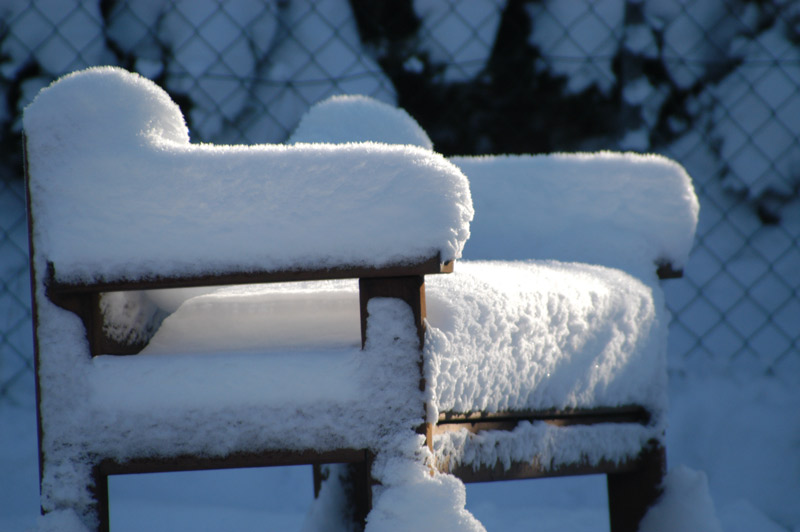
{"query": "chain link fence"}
[(711, 83)]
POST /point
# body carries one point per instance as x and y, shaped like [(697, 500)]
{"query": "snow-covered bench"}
[(122, 206), (524, 362)]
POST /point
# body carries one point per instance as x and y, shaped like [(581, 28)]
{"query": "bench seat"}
[(497, 337)]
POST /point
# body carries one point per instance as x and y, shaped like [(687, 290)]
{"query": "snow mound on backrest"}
[(356, 118), (104, 107), (622, 210)]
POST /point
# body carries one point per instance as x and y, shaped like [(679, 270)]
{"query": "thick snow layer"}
[(120, 191), (625, 211), (412, 496), (539, 335), (342, 119), (258, 317)]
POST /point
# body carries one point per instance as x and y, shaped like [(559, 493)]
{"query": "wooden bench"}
[(77, 262)]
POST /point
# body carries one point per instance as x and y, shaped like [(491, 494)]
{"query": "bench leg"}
[(631, 494), (356, 482), (100, 495)]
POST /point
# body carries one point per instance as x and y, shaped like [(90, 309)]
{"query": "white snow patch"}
[(685, 505), (342, 119), (539, 335), (412, 496), (621, 210)]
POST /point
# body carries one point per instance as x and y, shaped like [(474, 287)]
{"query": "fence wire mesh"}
[(711, 83)]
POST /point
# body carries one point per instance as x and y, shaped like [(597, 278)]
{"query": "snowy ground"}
[(742, 432)]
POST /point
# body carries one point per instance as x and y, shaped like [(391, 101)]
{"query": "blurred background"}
[(713, 84)]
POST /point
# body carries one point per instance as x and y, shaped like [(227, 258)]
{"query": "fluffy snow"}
[(742, 433), (412, 497), (622, 210), (103, 134), (502, 332), (626, 211)]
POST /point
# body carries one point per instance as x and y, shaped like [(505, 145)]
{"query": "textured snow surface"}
[(621, 210), (538, 335), (412, 496), (120, 191)]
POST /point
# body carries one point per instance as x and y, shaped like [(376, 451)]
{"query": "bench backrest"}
[(120, 200)]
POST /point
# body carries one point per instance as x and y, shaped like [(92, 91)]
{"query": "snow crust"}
[(621, 210), (103, 135)]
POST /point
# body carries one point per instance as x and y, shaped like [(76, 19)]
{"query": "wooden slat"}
[(173, 464), (431, 265), (530, 470), (632, 493), (477, 421)]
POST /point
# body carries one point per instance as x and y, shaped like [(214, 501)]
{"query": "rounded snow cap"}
[(103, 107), (355, 118)]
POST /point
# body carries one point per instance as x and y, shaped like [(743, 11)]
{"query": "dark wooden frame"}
[(633, 485), (404, 281)]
